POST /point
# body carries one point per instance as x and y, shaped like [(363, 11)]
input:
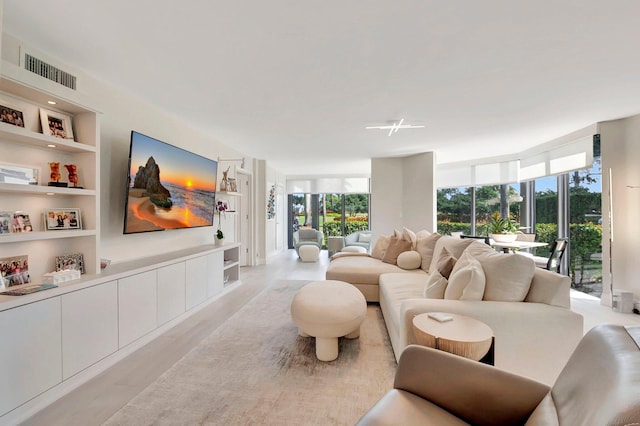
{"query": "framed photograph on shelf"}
[(14, 270), (62, 218), (19, 174), (10, 115), (6, 222), (56, 124), (22, 222), (70, 261)]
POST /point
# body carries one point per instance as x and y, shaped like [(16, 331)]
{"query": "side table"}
[(334, 245), (462, 336)]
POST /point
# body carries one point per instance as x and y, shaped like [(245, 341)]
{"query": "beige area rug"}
[(255, 370)]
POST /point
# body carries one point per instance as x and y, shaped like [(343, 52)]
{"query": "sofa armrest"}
[(475, 392), (524, 332)]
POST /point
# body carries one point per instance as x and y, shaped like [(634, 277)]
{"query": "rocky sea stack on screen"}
[(148, 178)]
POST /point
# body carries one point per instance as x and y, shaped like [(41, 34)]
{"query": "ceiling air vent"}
[(48, 71)]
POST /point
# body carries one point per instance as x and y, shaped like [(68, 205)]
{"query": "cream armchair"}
[(359, 239), (307, 236), (600, 385)]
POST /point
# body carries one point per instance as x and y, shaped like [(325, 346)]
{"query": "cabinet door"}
[(196, 276), (30, 358), (215, 273), (137, 306), (89, 326), (171, 292)]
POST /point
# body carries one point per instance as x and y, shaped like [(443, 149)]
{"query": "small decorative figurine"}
[(55, 175), (73, 174)]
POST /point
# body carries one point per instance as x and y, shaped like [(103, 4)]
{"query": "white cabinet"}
[(89, 326), (31, 355), (215, 275), (137, 306), (27, 146), (196, 281), (171, 292)]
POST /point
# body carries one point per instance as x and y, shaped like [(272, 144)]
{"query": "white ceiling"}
[(295, 82)]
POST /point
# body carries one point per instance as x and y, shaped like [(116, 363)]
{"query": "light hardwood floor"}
[(95, 401)]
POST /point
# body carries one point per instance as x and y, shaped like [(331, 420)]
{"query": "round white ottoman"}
[(309, 253), (327, 310), (354, 249)]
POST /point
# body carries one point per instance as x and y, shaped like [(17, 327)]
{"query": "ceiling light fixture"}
[(51, 102), (393, 128)]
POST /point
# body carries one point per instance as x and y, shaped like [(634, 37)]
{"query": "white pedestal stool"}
[(328, 310)]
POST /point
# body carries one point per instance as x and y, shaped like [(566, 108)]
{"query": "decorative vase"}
[(219, 241), (504, 238)]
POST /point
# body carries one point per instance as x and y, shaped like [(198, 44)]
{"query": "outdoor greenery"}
[(585, 229)]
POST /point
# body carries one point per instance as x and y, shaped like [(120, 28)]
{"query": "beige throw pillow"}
[(396, 246), (508, 276), (455, 246), (409, 235), (425, 247), (445, 263), (381, 246), (436, 286), (467, 280), (409, 260)]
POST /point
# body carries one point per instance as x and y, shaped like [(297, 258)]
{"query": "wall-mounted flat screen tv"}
[(168, 187)]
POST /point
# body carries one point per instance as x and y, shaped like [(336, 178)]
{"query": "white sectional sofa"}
[(534, 327)]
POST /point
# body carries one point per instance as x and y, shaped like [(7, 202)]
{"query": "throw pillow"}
[(455, 246), (381, 246), (467, 280), (364, 238), (409, 235), (425, 247), (396, 246), (409, 260), (445, 263), (423, 233), (508, 275), (435, 286)]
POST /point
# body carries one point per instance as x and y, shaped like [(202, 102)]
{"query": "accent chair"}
[(599, 385), (359, 239)]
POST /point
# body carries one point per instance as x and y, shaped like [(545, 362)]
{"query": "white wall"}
[(620, 148), (121, 113), (403, 193)]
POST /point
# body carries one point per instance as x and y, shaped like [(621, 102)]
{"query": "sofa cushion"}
[(455, 246), (467, 280), (396, 246), (381, 246), (409, 235), (551, 288), (435, 286), (409, 260), (364, 238), (508, 276), (360, 268), (425, 245), (445, 263)]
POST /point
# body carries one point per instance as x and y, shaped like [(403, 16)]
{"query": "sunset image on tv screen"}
[(168, 187)]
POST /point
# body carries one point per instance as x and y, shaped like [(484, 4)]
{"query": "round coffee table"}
[(462, 336)]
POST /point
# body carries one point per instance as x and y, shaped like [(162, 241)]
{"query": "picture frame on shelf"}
[(14, 270), (19, 174), (22, 222), (56, 219), (10, 115), (56, 124), (70, 261), (6, 222)]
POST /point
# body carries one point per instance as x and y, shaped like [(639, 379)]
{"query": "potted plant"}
[(502, 229), (219, 237)]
